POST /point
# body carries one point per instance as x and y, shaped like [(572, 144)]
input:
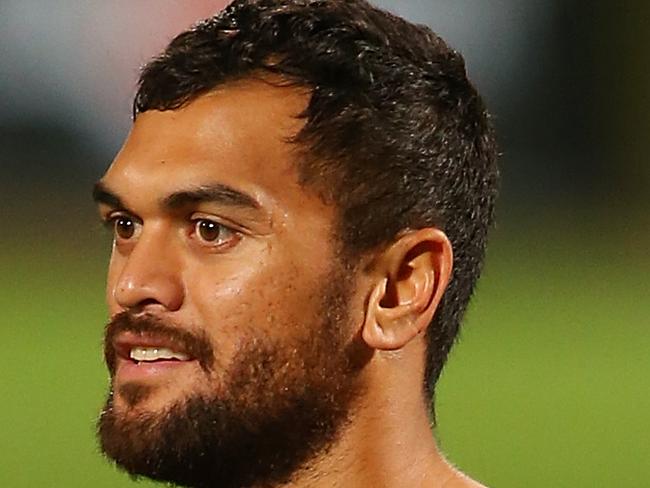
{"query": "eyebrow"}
[(101, 194), (214, 193)]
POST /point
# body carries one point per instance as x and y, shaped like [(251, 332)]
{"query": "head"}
[(285, 210)]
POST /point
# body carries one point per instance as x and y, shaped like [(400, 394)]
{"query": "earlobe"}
[(414, 273)]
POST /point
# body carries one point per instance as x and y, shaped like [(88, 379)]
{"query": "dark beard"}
[(283, 405)]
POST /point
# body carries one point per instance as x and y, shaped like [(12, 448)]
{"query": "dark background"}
[(548, 385)]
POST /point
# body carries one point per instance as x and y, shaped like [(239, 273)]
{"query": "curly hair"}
[(395, 135)]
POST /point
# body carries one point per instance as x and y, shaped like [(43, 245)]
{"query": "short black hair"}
[(395, 135)]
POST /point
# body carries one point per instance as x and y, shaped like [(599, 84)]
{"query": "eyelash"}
[(221, 228), (110, 222)]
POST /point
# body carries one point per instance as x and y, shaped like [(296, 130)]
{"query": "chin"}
[(195, 441), (138, 398)]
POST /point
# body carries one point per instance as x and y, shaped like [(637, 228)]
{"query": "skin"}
[(271, 263)]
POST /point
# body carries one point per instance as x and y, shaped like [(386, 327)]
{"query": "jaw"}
[(189, 438)]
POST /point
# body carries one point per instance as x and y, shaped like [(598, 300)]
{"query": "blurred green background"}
[(548, 385)]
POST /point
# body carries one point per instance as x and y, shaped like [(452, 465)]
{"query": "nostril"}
[(142, 285), (148, 301)]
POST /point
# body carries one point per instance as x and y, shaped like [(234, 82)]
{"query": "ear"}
[(412, 275)]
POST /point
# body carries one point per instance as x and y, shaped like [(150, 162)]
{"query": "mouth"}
[(140, 357), (154, 354)]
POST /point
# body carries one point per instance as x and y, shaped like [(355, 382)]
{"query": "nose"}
[(150, 275)]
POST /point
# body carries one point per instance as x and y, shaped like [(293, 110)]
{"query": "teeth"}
[(155, 353)]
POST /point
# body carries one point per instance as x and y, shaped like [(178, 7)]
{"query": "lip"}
[(127, 369), (126, 341)]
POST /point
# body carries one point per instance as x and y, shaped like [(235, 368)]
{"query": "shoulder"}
[(460, 480)]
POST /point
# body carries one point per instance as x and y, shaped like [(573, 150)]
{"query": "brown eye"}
[(124, 227), (208, 230), (214, 236)]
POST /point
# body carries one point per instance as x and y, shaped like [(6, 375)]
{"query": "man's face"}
[(233, 317)]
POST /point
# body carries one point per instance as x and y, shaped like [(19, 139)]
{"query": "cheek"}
[(273, 298)]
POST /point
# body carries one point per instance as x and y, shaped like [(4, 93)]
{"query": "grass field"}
[(548, 387)]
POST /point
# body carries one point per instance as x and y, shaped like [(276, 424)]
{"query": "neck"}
[(387, 443)]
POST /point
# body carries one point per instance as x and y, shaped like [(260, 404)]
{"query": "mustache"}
[(194, 344)]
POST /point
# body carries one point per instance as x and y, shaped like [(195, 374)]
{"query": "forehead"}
[(235, 135)]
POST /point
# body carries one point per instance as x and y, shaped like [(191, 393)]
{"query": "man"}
[(282, 289)]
